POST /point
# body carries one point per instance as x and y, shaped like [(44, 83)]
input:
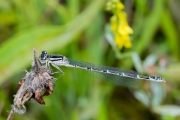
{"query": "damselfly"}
[(110, 74)]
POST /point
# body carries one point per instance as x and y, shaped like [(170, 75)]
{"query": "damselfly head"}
[(43, 55)]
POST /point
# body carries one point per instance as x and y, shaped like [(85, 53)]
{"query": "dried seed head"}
[(36, 84)]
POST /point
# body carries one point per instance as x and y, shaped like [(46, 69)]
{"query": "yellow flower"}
[(114, 21), (127, 41), (122, 40), (118, 40), (119, 5), (119, 25), (124, 28)]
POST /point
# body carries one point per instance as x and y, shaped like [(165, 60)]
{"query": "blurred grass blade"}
[(170, 31), (151, 25), (63, 12), (74, 7)]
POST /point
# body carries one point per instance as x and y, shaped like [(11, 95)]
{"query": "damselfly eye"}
[(44, 52), (43, 55)]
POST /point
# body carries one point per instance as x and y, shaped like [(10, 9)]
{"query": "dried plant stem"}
[(11, 114), (35, 85)]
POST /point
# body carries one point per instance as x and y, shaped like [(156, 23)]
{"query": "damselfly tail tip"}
[(161, 79)]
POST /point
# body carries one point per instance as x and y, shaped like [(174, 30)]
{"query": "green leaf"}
[(172, 110)]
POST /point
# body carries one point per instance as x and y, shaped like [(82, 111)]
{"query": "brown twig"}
[(11, 114)]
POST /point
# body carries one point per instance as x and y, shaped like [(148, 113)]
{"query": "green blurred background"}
[(79, 29)]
